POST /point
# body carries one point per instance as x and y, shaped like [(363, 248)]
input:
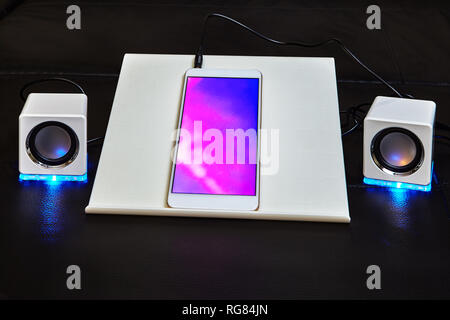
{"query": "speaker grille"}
[(397, 151), (52, 144)]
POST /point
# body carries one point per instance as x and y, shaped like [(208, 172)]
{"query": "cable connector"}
[(198, 61)]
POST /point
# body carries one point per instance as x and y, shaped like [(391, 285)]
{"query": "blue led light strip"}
[(51, 177), (400, 185)]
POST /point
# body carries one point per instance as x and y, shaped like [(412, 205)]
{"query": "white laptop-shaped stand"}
[(304, 180)]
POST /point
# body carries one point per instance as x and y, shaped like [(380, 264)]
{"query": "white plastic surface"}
[(299, 98)]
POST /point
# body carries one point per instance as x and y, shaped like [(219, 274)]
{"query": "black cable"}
[(355, 126), (358, 119), (199, 55), (29, 84), (94, 140)]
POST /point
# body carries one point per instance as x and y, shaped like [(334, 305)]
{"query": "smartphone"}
[(217, 150)]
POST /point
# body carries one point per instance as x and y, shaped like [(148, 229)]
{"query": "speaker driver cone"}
[(397, 151), (52, 144)]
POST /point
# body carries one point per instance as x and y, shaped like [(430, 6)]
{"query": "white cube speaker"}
[(398, 143), (53, 137)]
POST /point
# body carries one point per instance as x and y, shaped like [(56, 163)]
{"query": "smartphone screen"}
[(218, 138)]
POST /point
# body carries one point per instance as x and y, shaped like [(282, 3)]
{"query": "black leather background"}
[(43, 228)]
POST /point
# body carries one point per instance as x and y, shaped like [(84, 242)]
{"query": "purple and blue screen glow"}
[(220, 104)]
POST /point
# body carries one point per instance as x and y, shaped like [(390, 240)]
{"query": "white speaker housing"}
[(416, 116), (66, 108)]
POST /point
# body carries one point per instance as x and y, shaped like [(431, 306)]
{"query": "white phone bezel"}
[(214, 201)]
